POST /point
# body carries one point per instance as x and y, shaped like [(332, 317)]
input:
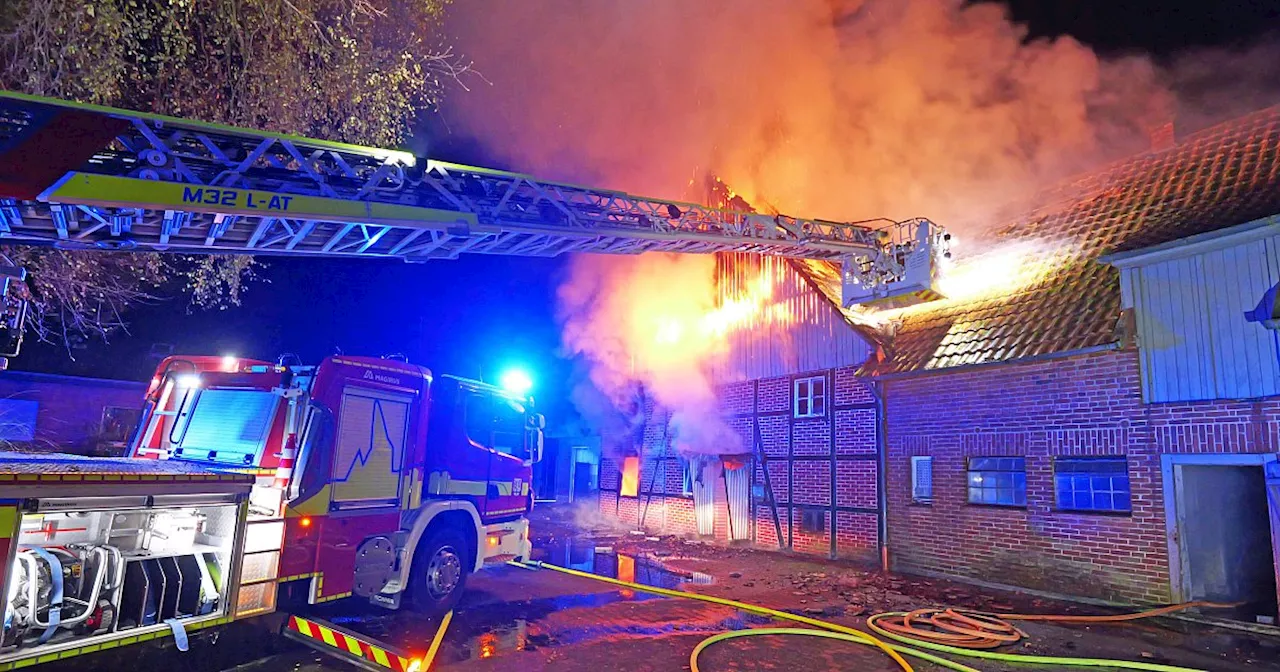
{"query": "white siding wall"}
[(1192, 334), (797, 330)]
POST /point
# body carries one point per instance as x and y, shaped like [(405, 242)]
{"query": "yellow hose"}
[(759, 632), (756, 609), (892, 650)]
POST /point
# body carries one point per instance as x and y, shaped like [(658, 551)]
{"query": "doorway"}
[(1221, 544)]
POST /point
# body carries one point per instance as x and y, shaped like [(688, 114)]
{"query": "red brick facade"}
[(802, 454), (1085, 405)]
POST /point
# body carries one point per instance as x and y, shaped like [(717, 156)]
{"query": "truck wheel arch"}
[(456, 513)]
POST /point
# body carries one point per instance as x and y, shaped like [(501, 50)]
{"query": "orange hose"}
[(978, 630), (1115, 618)]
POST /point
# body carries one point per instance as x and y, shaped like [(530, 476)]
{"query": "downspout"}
[(882, 474)]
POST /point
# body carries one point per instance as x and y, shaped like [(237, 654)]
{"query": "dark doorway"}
[(1226, 537), (584, 480)]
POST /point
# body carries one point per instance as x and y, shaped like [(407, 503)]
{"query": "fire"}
[(661, 322), (630, 477)]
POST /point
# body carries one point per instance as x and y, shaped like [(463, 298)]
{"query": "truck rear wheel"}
[(439, 573)]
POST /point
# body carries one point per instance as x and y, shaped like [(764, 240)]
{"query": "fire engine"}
[(359, 477)]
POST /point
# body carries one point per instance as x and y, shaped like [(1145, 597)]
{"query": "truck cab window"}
[(497, 423)]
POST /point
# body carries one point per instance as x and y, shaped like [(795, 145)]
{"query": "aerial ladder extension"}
[(84, 176)]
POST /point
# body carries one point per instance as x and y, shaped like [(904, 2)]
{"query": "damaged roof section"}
[(1219, 177)]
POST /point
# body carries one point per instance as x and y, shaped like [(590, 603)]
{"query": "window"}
[(813, 521), (224, 425), (1000, 481), (18, 419), (117, 422), (1091, 483), (688, 468), (922, 479), (497, 423), (811, 397), (630, 485)]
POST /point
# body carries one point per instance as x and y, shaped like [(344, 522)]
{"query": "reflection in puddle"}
[(487, 631), (483, 629), (587, 557)]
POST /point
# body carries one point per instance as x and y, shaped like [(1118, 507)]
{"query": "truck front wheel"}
[(439, 573)]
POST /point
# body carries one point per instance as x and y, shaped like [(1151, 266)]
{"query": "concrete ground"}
[(514, 619)]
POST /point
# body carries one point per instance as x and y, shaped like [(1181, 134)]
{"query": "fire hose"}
[(961, 629)]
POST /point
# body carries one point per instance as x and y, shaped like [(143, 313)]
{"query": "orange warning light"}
[(305, 522)]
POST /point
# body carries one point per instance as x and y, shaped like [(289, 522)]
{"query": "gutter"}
[(1258, 229)]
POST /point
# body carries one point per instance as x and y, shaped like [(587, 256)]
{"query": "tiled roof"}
[(1217, 178)]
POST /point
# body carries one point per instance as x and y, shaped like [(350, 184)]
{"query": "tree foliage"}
[(351, 70)]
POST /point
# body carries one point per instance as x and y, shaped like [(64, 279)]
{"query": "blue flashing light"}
[(516, 381)]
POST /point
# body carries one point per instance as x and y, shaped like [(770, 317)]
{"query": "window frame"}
[(1017, 486), (809, 397), (488, 405), (1090, 475), (809, 513), (135, 414), (687, 477), (916, 461)]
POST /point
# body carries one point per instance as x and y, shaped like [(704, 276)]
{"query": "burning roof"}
[(1065, 298)]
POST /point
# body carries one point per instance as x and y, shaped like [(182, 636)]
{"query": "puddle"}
[(586, 556), (484, 627)]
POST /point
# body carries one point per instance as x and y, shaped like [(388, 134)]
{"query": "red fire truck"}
[(360, 476), (379, 478)]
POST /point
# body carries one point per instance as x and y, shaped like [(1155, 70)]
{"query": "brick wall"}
[(1087, 405), (827, 465)]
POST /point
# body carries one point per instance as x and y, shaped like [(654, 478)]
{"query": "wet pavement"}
[(516, 619)]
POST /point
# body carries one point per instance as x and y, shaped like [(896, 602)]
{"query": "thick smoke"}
[(838, 109), (648, 326)]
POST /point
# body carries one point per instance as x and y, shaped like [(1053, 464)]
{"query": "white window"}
[(687, 468), (922, 479), (811, 397)]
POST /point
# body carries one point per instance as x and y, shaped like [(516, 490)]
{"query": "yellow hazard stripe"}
[(353, 644), (380, 656)]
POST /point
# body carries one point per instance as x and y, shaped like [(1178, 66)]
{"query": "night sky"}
[(478, 315)]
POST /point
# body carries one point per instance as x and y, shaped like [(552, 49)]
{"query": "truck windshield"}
[(227, 426)]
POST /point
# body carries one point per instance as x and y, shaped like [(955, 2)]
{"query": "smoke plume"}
[(648, 326), (837, 109)]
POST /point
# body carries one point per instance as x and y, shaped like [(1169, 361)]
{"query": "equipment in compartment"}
[(86, 573), (62, 588)]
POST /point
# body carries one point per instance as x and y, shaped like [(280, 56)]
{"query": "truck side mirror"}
[(535, 445), (536, 423)]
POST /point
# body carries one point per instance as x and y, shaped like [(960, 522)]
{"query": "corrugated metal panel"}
[(795, 329), (738, 488), (1195, 342)]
